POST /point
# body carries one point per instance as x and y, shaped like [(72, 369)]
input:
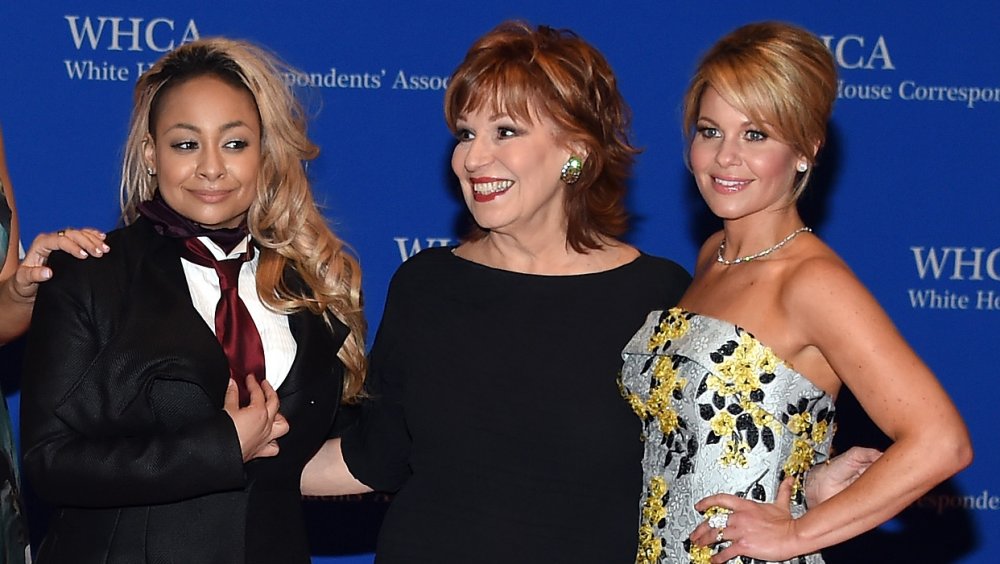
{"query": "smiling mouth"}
[(210, 196), (730, 185), (491, 188)]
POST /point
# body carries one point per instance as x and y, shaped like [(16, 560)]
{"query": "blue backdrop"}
[(907, 192)]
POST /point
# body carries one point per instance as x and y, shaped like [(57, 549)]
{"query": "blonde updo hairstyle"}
[(780, 76), (283, 219)]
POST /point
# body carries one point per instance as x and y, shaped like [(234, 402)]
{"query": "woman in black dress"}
[(494, 408)]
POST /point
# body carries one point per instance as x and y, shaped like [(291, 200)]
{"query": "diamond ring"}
[(719, 521)]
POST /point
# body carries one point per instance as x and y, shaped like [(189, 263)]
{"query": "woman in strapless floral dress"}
[(736, 386)]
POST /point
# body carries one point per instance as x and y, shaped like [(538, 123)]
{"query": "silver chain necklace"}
[(763, 253)]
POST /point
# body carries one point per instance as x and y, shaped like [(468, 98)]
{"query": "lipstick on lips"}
[(487, 189), (729, 185)]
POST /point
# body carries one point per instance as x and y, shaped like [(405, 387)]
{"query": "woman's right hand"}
[(81, 243), (258, 424)]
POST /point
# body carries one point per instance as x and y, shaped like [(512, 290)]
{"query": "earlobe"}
[(809, 159), (805, 161), (149, 154), (579, 150)]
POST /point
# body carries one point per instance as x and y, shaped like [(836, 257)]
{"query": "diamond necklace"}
[(763, 253)]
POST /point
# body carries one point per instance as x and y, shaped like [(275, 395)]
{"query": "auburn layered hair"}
[(283, 218), (517, 69)]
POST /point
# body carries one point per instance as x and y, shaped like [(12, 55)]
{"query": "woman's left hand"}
[(764, 531), (824, 481), (81, 243)]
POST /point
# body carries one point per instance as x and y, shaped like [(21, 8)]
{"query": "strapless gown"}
[(721, 414)]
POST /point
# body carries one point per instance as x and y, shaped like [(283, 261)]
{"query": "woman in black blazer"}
[(134, 425)]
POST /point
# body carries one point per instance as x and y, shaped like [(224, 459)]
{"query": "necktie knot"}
[(234, 327), (229, 272)]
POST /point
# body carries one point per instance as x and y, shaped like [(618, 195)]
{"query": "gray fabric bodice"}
[(721, 414)]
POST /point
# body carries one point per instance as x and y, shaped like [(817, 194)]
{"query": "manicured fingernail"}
[(83, 253)]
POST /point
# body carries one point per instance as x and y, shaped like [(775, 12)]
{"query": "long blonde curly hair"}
[(283, 219)]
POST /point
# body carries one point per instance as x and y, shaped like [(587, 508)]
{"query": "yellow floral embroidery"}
[(725, 389), (716, 510), (734, 453), (738, 377), (723, 423), (633, 399), (700, 554), (653, 512), (802, 456), (665, 383), (800, 460), (761, 417), (673, 326), (819, 432), (800, 423), (741, 370), (664, 370), (668, 421)]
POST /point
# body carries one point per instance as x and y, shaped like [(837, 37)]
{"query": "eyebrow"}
[(746, 123), (225, 127), (492, 117)]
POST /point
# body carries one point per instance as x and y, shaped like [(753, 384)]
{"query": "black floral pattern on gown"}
[(721, 414)]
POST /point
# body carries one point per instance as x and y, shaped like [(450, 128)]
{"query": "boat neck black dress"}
[(495, 412)]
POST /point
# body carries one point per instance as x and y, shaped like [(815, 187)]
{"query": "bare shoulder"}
[(819, 273), (826, 296)]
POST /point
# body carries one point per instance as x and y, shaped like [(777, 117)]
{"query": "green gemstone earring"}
[(571, 170)]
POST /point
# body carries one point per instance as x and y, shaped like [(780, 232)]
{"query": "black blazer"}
[(123, 427)]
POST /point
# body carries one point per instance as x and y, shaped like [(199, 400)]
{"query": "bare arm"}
[(11, 252), (827, 480), (17, 292), (19, 282), (895, 388), (327, 474)]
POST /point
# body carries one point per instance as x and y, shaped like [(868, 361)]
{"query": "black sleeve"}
[(79, 449), (377, 447)]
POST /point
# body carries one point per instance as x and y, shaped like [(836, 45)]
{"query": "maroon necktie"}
[(234, 327)]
